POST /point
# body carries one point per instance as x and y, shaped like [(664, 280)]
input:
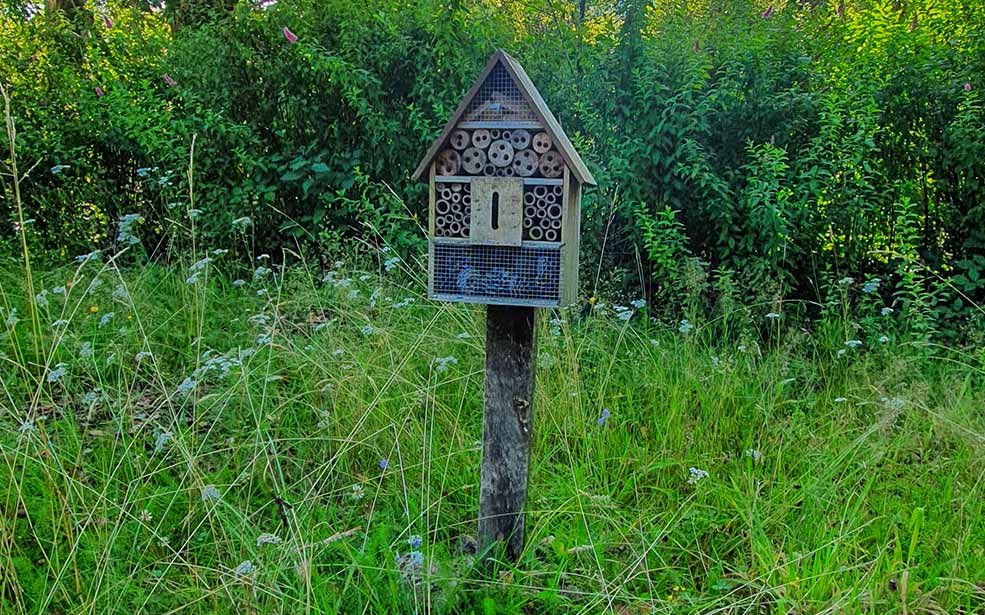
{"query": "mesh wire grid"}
[(497, 272), (499, 100)]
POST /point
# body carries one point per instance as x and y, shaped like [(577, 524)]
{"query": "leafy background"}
[(766, 144)]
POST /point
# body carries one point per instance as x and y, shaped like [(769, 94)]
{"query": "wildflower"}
[(415, 542), (267, 539), (893, 403), (753, 454), (187, 386), (605, 416), (871, 286), (357, 492), (846, 281), (127, 223), (338, 352), (85, 351), (404, 302), (886, 311), (161, 438), (91, 256), (368, 330), (120, 293), (853, 343), (58, 290), (696, 475), (93, 309), (56, 374), (242, 223), (768, 12), (26, 427), (623, 313), (967, 87), (107, 22), (61, 322), (143, 355), (390, 263), (210, 493), (239, 282), (245, 568), (146, 516), (364, 277), (290, 36), (58, 168), (840, 400), (639, 304), (841, 352), (99, 91), (772, 316), (193, 214), (200, 265), (264, 339), (263, 292), (108, 316), (383, 463), (442, 363), (260, 272), (168, 80), (741, 348), (883, 339), (685, 326), (42, 299)]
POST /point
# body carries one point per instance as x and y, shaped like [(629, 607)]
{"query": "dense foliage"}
[(767, 144)]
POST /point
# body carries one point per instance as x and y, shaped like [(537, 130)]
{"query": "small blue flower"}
[(415, 542), (685, 326), (605, 416), (853, 343), (696, 475), (383, 464), (871, 286)]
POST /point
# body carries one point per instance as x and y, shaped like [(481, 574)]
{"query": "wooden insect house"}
[(505, 197)]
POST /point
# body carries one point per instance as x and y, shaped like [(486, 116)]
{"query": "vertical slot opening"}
[(495, 211)]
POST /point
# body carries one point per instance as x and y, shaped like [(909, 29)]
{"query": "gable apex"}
[(479, 103)]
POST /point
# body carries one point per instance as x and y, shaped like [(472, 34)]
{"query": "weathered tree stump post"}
[(507, 427)]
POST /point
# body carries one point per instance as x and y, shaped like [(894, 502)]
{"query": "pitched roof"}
[(536, 102)]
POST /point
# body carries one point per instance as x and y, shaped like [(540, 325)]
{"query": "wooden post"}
[(507, 427)]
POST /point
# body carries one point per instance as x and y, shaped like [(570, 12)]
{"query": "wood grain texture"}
[(507, 428), (510, 229)]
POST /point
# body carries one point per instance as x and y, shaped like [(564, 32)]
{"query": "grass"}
[(153, 436)]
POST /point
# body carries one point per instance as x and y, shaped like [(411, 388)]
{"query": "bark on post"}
[(507, 427)]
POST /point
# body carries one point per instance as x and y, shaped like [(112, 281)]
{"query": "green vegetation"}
[(159, 432), (237, 399)]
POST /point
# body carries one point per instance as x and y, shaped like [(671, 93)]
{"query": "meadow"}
[(297, 439), (224, 389)]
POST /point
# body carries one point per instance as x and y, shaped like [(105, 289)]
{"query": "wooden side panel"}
[(431, 198), (497, 211), (571, 238)]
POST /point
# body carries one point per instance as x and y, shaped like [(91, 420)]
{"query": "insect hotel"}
[(505, 197)]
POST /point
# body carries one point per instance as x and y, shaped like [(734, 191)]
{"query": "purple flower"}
[(605, 415), (290, 36), (967, 87), (768, 12), (99, 91), (107, 21), (415, 542), (168, 80), (383, 464)]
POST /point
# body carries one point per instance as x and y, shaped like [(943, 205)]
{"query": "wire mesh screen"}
[(498, 273), (499, 100)]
